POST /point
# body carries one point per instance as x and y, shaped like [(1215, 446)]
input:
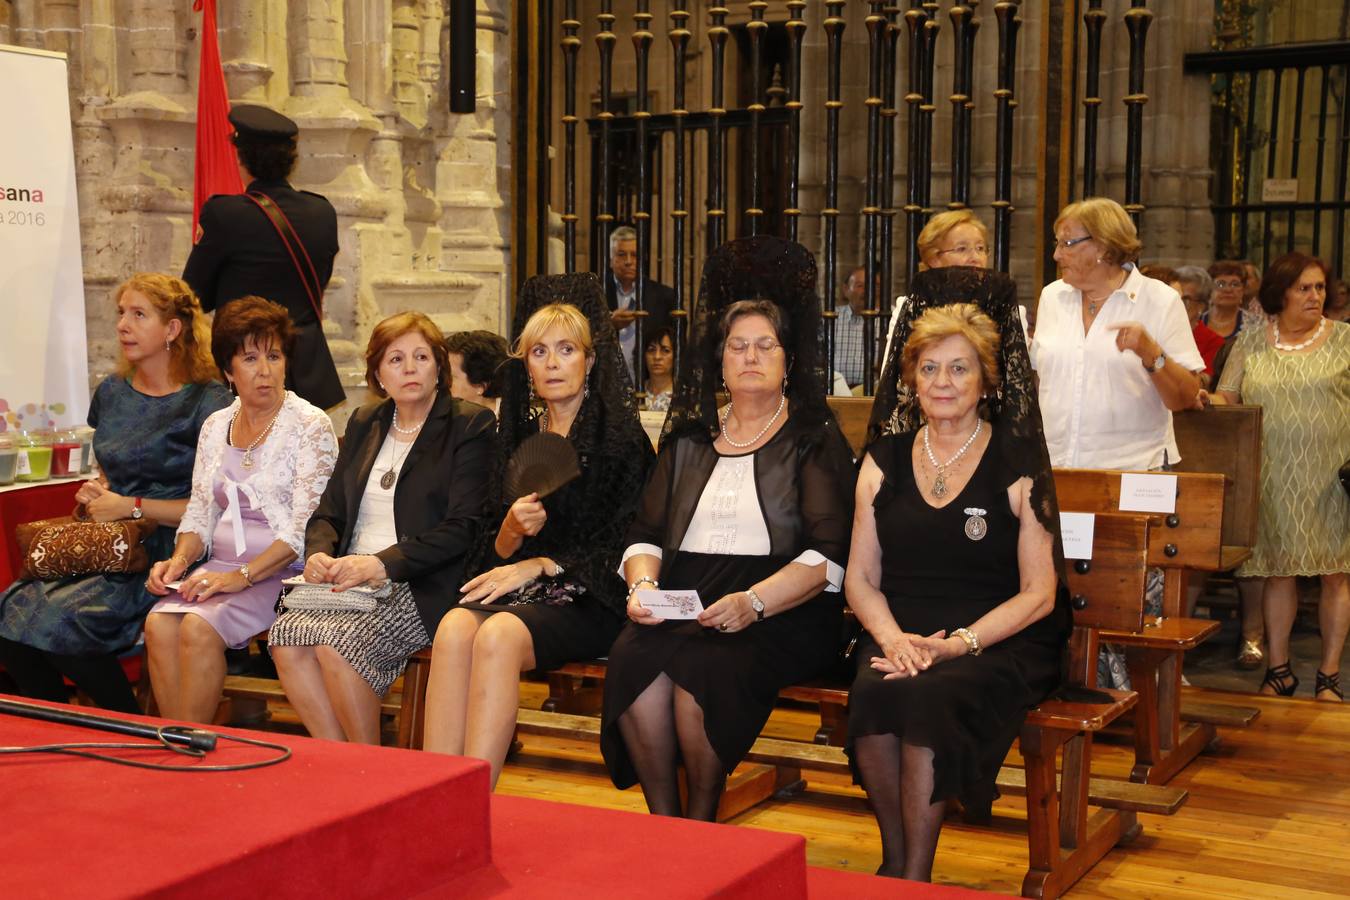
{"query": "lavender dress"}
[(235, 617)]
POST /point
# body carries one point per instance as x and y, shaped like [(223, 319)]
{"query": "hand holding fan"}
[(541, 464)]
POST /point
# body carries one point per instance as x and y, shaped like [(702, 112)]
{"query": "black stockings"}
[(663, 727), (39, 674), (898, 778)]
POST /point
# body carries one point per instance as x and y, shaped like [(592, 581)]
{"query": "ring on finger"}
[(722, 627)]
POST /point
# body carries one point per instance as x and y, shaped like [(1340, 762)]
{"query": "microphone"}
[(193, 738)]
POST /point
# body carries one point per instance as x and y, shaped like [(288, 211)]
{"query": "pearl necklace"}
[(782, 402), (1275, 323), (940, 483), (413, 430), (247, 461)]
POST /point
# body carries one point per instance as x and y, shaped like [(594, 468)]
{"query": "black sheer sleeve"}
[(585, 532), (650, 523), (827, 478)]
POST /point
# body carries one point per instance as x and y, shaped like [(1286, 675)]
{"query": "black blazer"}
[(438, 500), (240, 254)]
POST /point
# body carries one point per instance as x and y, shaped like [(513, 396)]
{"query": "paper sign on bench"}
[(1076, 529), (1148, 493), (671, 604)]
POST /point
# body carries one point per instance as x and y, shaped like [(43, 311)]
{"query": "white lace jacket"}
[(293, 466)]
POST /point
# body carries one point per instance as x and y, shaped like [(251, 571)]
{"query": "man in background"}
[(621, 295)]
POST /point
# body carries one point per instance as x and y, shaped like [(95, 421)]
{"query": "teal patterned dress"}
[(146, 447), (1304, 522)]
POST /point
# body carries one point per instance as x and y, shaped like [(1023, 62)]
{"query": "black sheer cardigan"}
[(804, 477)]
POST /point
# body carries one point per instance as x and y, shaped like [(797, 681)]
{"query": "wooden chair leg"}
[(1063, 841), (412, 710), (833, 729)]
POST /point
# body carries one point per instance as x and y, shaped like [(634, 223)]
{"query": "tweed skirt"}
[(376, 644)]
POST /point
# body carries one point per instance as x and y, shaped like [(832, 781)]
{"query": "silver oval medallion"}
[(387, 479), (976, 526)]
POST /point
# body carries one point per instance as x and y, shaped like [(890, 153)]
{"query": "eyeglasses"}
[(967, 249), (763, 345), (1317, 287), (1228, 285), (1066, 243)]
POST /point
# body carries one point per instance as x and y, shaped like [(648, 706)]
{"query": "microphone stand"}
[(193, 738)]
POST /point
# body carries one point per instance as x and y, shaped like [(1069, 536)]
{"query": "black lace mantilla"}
[(761, 267), (614, 452), (1014, 410)]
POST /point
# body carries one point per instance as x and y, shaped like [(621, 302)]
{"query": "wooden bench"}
[(1189, 538)]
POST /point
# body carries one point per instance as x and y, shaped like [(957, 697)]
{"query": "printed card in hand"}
[(670, 604)]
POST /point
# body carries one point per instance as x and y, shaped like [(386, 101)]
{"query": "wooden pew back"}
[(1107, 591), (1227, 440), (1191, 538), (852, 414)]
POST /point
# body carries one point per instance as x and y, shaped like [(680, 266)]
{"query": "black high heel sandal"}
[(1281, 680), (1327, 682)]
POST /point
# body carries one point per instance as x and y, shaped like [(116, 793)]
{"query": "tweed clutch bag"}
[(307, 596), (67, 546)]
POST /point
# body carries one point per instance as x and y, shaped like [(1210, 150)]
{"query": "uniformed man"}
[(278, 243)]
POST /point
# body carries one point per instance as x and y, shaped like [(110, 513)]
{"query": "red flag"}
[(216, 165)]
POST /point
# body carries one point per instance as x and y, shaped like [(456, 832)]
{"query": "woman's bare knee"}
[(504, 637), (195, 635), (456, 632)]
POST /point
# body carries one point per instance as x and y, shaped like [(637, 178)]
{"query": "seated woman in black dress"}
[(545, 589), (952, 568), (750, 506)]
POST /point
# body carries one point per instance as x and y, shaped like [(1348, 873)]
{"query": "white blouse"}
[(1099, 405), (728, 521), (292, 468), (375, 529)]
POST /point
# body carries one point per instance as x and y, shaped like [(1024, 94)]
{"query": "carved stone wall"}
[(419, 192)]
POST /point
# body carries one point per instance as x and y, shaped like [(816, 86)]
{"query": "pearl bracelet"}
[(972, 640), (645, 579)]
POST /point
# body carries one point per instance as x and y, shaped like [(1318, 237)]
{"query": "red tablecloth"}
[(43, 500)]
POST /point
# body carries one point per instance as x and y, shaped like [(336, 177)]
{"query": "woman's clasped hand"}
[(906, 655), (345, 572)]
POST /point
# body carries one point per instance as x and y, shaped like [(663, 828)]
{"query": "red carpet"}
[(544, 849), (336, 820)]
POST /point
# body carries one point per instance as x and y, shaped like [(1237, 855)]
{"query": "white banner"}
[(44, 364)]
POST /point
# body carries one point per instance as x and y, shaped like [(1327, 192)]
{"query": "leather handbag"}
[(71, 546)]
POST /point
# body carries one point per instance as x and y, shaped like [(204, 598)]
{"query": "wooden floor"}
[(1268, 815)]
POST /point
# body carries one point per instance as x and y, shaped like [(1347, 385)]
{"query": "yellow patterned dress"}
[(1304, 526)]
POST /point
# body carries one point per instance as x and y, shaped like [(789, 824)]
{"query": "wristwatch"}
[(136, 511), (756, 604), (1157, 365), (243, 570)]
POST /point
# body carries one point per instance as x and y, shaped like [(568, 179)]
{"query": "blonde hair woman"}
[(545, 588)]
